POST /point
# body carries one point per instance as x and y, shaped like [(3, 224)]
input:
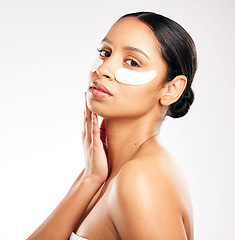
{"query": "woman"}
[(131, 188)]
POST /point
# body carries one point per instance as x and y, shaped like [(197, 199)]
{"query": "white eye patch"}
[(127, 76), (97, 62)]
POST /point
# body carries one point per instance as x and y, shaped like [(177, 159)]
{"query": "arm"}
[(145, 205), (65, 217)]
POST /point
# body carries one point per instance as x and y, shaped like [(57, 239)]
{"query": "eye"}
[(104, 53), (132, 63)]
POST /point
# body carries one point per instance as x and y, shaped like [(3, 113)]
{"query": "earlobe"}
[(173, 90)]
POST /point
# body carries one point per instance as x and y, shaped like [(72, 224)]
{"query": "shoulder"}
[(151, 180), (146, 196), (154, 173)]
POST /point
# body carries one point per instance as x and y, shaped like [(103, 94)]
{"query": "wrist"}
[(88, 183), (93, 177), (93, 180)]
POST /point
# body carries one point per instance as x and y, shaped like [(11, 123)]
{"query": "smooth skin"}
[(131, 187)]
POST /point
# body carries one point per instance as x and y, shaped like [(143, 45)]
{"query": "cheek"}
[(137, 99), (128, 101)]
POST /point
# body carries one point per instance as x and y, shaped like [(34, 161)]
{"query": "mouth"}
[(99, 90)]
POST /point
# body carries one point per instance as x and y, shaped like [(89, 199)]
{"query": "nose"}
[(107, 69)]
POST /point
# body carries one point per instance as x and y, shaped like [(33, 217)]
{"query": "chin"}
[(103, 110), (102, 107), (96, 107), (108, 108)]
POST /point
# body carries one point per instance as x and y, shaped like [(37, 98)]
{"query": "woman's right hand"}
[(95, 150)]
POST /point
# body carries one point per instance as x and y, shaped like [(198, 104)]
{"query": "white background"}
[(46, 48)]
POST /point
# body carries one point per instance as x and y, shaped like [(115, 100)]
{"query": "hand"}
[(103, 136), (94, 145)]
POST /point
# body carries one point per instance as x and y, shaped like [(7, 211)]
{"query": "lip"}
[(99, 90)]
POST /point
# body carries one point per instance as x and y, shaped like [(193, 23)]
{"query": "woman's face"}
[(132, 45)]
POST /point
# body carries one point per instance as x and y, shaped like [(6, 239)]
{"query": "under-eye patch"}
[(127, 76), (95, 65), (130, 77)]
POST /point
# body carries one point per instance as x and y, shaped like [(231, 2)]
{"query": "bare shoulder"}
[(154, 170), (151, 198)]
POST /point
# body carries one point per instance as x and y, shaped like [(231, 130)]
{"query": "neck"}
[(125, 137)]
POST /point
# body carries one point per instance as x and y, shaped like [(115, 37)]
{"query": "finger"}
[(87, 111), (88, 122), (103, 136), (84, 125), (84, 119), (95, 130)]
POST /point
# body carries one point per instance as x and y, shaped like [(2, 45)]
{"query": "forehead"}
[(132, 32)]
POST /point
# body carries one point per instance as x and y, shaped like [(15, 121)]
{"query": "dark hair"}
[(178, 52)]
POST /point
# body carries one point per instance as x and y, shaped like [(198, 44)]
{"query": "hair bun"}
[(181, 107)]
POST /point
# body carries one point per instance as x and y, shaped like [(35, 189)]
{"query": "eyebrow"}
[(133, 49), (107, 41)]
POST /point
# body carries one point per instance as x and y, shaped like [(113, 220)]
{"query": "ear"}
[(172, 90)]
